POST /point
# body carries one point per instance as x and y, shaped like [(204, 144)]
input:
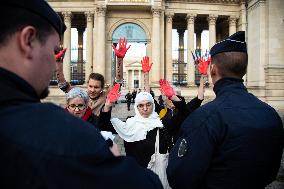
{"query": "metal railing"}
[(179, 73)]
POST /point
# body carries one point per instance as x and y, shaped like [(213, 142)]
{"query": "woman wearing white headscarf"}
[(146, 137), (145, 120), (139, 132)]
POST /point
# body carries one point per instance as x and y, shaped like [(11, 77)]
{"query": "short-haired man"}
[(42, 146), (233, 142)]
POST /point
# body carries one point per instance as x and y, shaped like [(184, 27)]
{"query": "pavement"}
[(120, 111)]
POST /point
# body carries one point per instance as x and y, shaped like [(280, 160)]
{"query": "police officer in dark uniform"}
[(134, 93), (128, 98), (42, 145), (233, 142)]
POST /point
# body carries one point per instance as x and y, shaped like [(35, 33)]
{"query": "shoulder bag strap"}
[(157, 145)]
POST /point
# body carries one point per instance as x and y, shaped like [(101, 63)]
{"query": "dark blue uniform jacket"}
[(233, 142), (42, 146)]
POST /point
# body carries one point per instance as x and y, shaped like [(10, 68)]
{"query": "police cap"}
[(41, 8), (234, 43)]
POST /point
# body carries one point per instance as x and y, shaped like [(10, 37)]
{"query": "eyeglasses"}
[(79, 106), (141, 106)]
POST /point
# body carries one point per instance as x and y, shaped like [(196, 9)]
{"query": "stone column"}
[(140, 78), (80, 51), (126, 77), (168, 47), (181, 44), (95, 36), (190, 46), (162, 45), (156, 46), (243, 19), (67, 44), (218, 37), (257, 44), (212, 29), (133, 78), (89, 45), (212, 37), (99, 67), (198, 38), (243, 25), (181, 52), (232, 25)]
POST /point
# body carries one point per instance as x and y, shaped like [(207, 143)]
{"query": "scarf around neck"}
[(97, 104), (137, 127)]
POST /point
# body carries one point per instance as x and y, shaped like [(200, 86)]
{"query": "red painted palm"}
[(60, 55), (203, 66), (146, 66), (122, 49), (113, 94), (166, 88)]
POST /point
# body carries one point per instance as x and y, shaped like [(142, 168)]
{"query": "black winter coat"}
[(235, 142), (43, 146)]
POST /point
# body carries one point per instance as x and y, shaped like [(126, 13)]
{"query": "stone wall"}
[(274, 70)]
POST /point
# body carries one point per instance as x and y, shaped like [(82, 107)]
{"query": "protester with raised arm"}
[(120, 54), (95, 85)]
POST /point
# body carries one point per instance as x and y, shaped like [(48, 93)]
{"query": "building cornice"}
[(209, 1)]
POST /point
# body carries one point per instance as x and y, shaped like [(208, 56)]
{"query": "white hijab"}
[(136, 128)]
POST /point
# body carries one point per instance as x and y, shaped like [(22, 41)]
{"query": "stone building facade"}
[(151, 22)]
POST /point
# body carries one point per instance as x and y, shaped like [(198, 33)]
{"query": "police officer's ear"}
[(26, 41), (213, 70), (215, 74)]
